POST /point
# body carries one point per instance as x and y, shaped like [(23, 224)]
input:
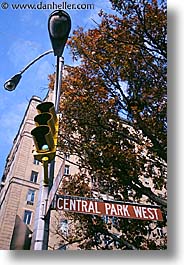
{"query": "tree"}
[(114, 118)]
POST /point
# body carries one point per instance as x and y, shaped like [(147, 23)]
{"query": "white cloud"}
[(43, 70), (22, 52), (10, 121)]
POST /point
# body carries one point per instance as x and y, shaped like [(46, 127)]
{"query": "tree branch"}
[(148, 192)]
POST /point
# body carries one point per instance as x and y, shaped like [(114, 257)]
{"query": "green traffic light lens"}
[(45, 147)]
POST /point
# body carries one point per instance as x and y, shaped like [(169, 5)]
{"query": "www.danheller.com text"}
[(50, 6)]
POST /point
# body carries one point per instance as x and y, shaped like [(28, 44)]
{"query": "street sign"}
[(109, 208), (55, 185)]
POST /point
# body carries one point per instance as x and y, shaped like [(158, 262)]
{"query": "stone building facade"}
[(20, 181)]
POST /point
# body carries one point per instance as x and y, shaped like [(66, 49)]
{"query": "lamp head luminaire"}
[(59, 26), (12, 83)]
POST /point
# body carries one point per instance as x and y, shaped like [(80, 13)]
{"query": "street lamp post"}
[(59, 25)]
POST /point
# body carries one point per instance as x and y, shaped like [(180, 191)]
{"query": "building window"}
[(105, 218), (93, 179), (30, 197), (27, 217), (160, 231), (36, 162), (62, 247), (146, 181), (67, 170), (64, 226), (106, 240), (34, 176), (94, 182), (67, 156)]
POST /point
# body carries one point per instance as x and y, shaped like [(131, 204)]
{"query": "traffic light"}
[(46, 132)]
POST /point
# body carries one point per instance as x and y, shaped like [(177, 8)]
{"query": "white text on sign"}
[(123, 210)]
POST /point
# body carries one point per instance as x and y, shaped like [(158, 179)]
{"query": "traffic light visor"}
[(47, 107), (43, 139), (46, 119)]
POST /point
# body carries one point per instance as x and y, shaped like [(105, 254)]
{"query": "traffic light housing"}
[(46, 132)]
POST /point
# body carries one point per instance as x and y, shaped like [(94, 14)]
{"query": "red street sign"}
[(109, 208)]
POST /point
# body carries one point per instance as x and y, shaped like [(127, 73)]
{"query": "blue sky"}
[(24, 36)]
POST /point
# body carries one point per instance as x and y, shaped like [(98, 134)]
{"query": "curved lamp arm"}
[(36, 59), (11, 84)]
